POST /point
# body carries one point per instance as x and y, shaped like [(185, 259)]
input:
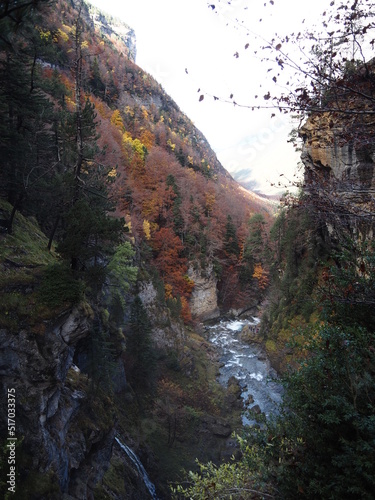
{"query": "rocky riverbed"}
[(243, 358)]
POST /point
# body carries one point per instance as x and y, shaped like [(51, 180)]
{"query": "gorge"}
[(147, 300), (247, 364)]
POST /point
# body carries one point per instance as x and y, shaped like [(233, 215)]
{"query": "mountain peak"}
[(115, 30)]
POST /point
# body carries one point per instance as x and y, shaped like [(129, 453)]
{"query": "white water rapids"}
[(248, 364)]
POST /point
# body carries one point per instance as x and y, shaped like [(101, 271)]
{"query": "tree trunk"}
[(13, 213), (53, 232)]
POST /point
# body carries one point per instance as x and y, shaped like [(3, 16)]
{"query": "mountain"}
[(116, 31)]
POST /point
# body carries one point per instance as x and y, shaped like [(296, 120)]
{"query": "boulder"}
[(250, 334), (233, 395), (256, 409)]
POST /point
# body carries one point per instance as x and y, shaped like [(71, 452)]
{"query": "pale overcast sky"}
[(175, 35)]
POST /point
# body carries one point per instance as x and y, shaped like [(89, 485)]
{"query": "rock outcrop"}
[(338, 144), (203, 300), (350, 165), (167, 332), (66, 440), (339, 159), (250, 334), (117, 32)]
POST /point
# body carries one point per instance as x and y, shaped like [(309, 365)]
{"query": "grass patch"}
[(271, 347), (27, 245), (23, 258), (115, 477)]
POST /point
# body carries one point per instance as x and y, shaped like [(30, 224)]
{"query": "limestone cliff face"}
[(63, 441), (339, 158), (339, 141), (203, 301), (350, 165), (115, 30), (167, 333)]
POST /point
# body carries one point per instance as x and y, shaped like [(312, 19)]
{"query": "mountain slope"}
[(111, 124)]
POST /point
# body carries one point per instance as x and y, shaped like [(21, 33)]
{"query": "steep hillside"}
[(107, 123), (116, 31)]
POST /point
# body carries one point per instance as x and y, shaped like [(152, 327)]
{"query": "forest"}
[(116, 222)]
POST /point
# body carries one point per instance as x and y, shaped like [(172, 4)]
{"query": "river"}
[(248, 364)]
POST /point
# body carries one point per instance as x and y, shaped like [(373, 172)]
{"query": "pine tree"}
[(139, 346), (231, 242), (96, 84), (26, 145)]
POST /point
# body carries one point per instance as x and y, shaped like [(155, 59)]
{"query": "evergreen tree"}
[(89, 237), (26, 143), (88, 230), (255, 249), (102, 354), (255, 244), (329, 419), (14, 14), (95, 82), (122, 274), (139, 348), (231, 242)]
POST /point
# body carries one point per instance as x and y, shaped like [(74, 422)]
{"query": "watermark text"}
[(11, 441)]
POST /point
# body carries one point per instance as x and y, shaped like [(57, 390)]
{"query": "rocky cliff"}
[(338, 139), (167, 332), (115, 30), (350, 166), (204, 300), (66, 438), (63, 431), (339, 158)]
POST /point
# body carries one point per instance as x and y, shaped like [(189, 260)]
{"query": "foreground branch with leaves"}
[(306, 71)]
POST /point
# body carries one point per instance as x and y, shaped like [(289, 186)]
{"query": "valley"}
[(165, 333)]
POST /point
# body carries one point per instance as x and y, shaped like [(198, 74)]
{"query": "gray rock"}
[(256, 409), (49, 408), (217, 425), (203, 300)]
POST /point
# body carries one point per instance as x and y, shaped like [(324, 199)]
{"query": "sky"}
[(189, 47)]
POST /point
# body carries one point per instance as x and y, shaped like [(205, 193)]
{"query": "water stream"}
[(141, 470), (248, 364)]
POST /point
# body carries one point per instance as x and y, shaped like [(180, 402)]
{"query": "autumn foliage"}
[(180, 205)]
